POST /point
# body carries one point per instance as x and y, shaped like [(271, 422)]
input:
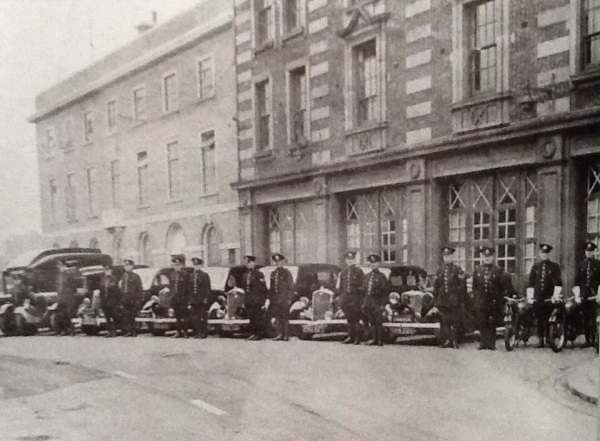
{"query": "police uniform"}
[(351, 298), (110, 299), (376, 288), (490, 285), (450, 292), (131, 296), (280, 297), (20, 292), (543, 278), (199, 298), (66, 308), (180, 284), (255, 294), (587, 278)]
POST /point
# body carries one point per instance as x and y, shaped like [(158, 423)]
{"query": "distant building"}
[(137, 151), (399, 126)]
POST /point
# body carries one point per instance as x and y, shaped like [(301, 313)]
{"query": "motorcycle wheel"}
[(510, 335), (556, 336)]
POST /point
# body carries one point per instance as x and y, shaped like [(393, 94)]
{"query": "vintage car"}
[(315, 282), (157, 315), (39, 270)]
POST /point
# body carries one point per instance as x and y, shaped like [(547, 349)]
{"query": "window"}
[(115, 181), (298, 106), (367, 82), (263, 112), (142, 169), (292, 15), (139, 104), (209, 184), (170, 93), (68, 134), (71, 195), (53, 191), (92, 181), (111, 115), (173, 170), (289, 232), (206, 79), (593, 206), (264, 21), (591, 32), (377, 223), (88, 126), (50, 142)]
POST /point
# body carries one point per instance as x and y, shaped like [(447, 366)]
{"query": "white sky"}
[(42, 42)]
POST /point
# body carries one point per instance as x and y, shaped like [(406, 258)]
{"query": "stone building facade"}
[(137, 151), (399, 126)]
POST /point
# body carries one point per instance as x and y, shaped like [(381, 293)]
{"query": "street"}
[(156, 388)]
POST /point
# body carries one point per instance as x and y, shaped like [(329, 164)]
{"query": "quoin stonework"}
[(137, 151)]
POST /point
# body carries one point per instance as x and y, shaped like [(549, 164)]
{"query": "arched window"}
[(93, 243), (213, 251), (145, 249), (117, 251), (176, 241)]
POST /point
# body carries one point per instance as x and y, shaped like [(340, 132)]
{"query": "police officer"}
[(280, 296), (450, 292), (351, 296), (587, 278), (180, 284), (255, 294), (199, 298), (66, 308), (20, 291), (110, 299), (131, 297), (544, 278), (376, 288), (490, 285)]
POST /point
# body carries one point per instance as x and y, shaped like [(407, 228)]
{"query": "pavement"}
[(155, 388), (583, 381)]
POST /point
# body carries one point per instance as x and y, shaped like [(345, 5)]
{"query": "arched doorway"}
[(145, 249), (212, 248), (117, 250), (176, 241), (93, 243)]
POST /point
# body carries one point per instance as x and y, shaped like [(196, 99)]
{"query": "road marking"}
[(124, 375), (208, 407)]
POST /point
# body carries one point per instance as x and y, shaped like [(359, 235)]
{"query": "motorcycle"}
[(518, 322)]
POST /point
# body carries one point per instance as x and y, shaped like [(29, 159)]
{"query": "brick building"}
[(398, 126), (137, 151)]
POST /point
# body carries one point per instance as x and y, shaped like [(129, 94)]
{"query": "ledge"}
[(379, 125), (264, 155), (591, 75), (296, 32), (264, 47), (482, 100), (518, 130)]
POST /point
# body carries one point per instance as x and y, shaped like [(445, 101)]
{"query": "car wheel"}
[(556, 336), (90, 330), (7, 325), (305, 335)]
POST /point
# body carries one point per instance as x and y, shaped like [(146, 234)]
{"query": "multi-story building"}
[(399, 126), (137, 151)]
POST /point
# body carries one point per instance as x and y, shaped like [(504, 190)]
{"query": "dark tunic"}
[(131, 290), (110, 294), (588, 277), (255, 290), (450, 289), (200, 289), (282, 286), (490, 285), (543, 278)]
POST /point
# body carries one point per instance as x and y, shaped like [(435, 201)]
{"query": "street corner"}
[(583, 381)]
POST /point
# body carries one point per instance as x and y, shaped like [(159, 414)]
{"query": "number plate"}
[(231, 327), (319, 328), (160, 325), (403, 331)]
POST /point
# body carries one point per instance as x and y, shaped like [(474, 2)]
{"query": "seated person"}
[(218, 309), (300, 309)]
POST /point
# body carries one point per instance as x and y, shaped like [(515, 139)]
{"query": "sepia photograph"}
[(300, 220)]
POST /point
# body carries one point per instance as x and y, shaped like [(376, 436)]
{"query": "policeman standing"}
[(131, 296), (255, 294), (68, 280), (110, 299), (280, 296), (180, 285), (351, 297), (199, 298), (587, 278), (490, 285), (376, 288), (544, 278), (450, 291)]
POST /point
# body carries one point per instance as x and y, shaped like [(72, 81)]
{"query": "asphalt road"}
[(159, 388)]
